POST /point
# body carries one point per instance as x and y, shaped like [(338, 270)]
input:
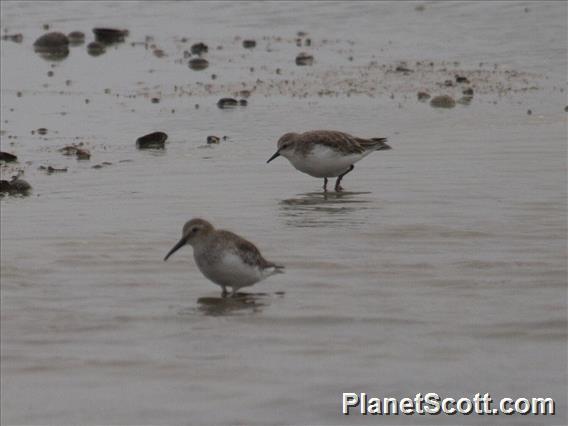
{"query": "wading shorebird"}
[(326, 153), (225, 258)]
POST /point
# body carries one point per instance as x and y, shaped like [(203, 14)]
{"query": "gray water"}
[(441, 269)]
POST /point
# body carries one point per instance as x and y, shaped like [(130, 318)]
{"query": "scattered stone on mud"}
[(7, 157), (109, 35), (423, 96), (443, 101), (16, 38), (95, 48), (76, 150), (76, 37), (155, 100), (199, 48), (244, 93), (101, 165), (566, 108), (50, 169), (403, 69), (53, 40), (227, 103), (15, 186), (159, 53), (529, 112), (468, 92), (304, 59), (449, 83), (198, 64), (249, 44), (213, 139), (243, 102), (154, 140), (50, 73), (52, 46), (42, 131), (461, 79)]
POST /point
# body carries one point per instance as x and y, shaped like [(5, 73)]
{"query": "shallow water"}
[(442, 268)]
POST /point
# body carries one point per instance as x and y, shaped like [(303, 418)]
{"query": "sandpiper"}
[(225, 258), (326, 153)]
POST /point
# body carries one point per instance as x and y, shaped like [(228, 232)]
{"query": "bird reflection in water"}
[(323, 208), (241, 304)]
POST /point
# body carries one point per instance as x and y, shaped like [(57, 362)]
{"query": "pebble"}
[(7, 157), (443, 101), (109, 35), (199, 48), (155, 140), (198, 64), (95, 48), (304, 59), (423, 96), (249, 44), (213, 139), (227, 103)]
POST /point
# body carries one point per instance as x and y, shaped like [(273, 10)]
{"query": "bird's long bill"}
[(277, 154), (179, 245)]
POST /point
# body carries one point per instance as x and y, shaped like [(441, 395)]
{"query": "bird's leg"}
[(338, 187), (234, 293), (324, 184), (224, 293)]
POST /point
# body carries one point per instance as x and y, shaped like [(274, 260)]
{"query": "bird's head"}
[(193, 231)]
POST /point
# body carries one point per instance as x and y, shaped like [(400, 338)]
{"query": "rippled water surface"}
[(442, 268)]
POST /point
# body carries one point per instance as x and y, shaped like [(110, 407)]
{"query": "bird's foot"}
[(224, 293), (338, 188)]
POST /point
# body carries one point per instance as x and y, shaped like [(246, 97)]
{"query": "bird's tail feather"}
[(381, 143)]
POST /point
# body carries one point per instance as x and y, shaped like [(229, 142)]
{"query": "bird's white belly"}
[(324, 162), (230, 271)]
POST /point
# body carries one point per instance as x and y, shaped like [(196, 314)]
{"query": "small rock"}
[(227, 103), (7, 157), (443, 101), (420, 8), (42, 131), (448, 83), (109, 35), (461, 79), (423, 96), (304, 59), (83, 154), (566, 108), (199, 48), (213, 139), (155, 140), (49, 41), (159, 53), (249, 44), (243, 102), (52, 46), (468, 92), (95, 48), (76, 37), (76, 150), (308, 42), (16, 186), (155, 100), (50, 169), (16, 38), (403, 69), (529, 112), (198, 64), (50, 73), (244, 93)]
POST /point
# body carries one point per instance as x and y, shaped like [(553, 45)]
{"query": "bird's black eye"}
[(193, 230)]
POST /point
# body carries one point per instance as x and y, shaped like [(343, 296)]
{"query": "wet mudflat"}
[(442, 268)]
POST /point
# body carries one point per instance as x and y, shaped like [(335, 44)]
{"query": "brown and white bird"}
[(326, 153), (225, 258)]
